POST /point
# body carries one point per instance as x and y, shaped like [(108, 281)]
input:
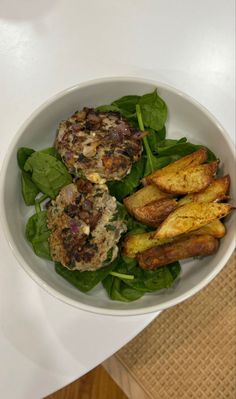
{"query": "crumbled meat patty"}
[(84, 226), (102, 146)]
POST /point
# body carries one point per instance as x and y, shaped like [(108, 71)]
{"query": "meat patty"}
[(101, 146), (84, 226)]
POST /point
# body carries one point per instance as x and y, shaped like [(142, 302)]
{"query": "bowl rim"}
[(47, 287)]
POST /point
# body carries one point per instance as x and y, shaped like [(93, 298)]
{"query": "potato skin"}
[(196, 158), (189, 180), (154, 213), (191, 217), (202, 245), (143, 197), (216, 191)]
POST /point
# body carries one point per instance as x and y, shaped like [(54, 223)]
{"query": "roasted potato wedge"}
[(133, 244), (196, 158), (137, 243), (144, 196), (216, 191), (202, 245), (215, 229), (191, 217), (154, 213), (190, 180)]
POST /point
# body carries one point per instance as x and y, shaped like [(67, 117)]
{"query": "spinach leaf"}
[(175, 269), (160, 163), (152, 162), (129, 262), (122, 276), (154, 138), (107, 283), (112, 286), (120, 189), (84, 281), (211, 155), (181, 148), (154, 110), (51, 151), (23, 154), (161, 134), (37, 233), (127, 105), (128, 282), (108, 108), (170, 142), (48, 173), (125, 266), (129, 293), (157, 279), (117, 290), (122, 213), (137, 228), (148, 280), (29, 189)]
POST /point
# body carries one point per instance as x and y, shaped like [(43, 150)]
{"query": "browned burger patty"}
[(101, 145), (84, 226)]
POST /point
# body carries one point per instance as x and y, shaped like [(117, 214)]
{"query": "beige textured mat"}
[(190, 350)]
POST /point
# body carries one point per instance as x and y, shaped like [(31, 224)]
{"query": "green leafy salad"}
[(44, 173)]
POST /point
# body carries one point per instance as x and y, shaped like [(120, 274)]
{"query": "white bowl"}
[(186, 118)]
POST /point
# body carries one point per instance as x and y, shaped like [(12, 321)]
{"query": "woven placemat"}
[(189, 351)]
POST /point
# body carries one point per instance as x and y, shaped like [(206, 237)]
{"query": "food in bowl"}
[(176, 215)]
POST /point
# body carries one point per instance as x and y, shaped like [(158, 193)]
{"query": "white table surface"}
[(46, 46)]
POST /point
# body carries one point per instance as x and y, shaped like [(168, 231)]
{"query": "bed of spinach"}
[(127, 282), (43, 175)]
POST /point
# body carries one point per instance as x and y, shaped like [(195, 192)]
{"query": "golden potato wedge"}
[(154, 213), (133, 244), (144, 196), (190, 180), (191, 217), (196, 158), (216, 191), (215, 229), (137, 243), (202, 245)]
